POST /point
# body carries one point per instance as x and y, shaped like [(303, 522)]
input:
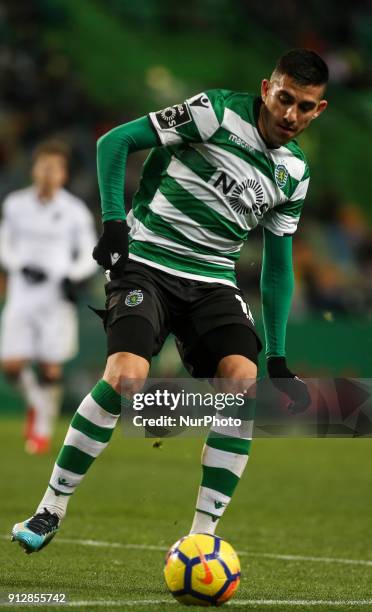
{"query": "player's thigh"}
[(136, 315), (220, 324), (57, 332), (228, 351), (17, 334)]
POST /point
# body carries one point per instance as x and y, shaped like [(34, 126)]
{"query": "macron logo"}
[(114, 258)]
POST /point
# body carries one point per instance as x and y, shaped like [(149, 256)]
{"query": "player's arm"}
[(10, 258), (82, 265), (8, 238), (277, 284), (113, 149), (85, 237), (195, 120)]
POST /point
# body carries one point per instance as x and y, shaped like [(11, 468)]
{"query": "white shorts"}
[(45, 333)]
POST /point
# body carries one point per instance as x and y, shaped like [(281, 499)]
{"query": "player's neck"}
[(45, 193), (261, 126)]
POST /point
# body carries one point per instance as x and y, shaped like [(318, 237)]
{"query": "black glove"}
[(287, 382), (111, 251), (70, 290), (34, 275)]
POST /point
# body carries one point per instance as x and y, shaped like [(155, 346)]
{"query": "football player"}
[(221, 163), (46, 238)]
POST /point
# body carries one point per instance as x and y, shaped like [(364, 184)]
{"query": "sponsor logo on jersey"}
[(224, 183), (281, 175), (173, 116), (240, 142), (134, 298), (245, 198), (248, 197)]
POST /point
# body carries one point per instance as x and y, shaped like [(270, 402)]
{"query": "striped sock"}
[(88, 435), (224, 457)]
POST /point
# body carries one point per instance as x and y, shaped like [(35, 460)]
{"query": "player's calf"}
[(227, 448)]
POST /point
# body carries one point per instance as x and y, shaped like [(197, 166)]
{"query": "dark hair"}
[(52, 147), (304, 66)]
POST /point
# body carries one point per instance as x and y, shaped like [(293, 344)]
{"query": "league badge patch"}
[(173, 116)]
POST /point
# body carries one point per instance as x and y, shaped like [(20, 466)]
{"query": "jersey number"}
[(245, 308)]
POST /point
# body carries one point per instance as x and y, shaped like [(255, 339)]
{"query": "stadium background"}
[(300, 518), (74, 69)]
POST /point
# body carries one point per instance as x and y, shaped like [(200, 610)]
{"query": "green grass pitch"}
[(309, 500)]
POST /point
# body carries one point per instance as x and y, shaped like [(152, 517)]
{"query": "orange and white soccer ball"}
[(202, 570)]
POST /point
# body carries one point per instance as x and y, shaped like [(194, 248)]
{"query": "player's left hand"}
[(34, 275), (287, 382)]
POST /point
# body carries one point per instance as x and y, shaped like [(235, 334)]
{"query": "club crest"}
[(134, 298), (281, 175)]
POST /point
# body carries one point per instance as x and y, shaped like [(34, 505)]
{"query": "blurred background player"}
[(46, 239)]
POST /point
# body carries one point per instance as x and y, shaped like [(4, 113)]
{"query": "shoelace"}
[(43, 522)]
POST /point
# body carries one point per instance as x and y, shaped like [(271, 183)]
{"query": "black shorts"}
[(209, 320)]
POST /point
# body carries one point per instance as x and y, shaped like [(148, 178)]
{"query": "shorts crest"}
[(134, 298)]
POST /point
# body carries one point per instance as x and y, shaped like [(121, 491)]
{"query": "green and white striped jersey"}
[(211, 183)]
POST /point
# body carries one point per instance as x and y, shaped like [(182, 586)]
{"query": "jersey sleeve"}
[(277, 284), (113, 149), (8, 236), (283, 219), (195, 120), (84, 239)]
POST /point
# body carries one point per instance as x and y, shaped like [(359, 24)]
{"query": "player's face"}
[(49, 172), (288, 108)]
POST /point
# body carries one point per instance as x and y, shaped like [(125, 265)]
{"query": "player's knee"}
[(236, 367), (12, 371), (12, 376), (236, 374), (126, 373), (50, 374)]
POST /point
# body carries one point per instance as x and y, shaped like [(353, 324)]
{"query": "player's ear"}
[(321, 108), (265, 86)]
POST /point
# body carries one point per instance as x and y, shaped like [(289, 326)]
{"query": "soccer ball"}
[(202, 570)]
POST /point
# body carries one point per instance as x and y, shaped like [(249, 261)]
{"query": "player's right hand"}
[(111, 251), (34, 275)]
